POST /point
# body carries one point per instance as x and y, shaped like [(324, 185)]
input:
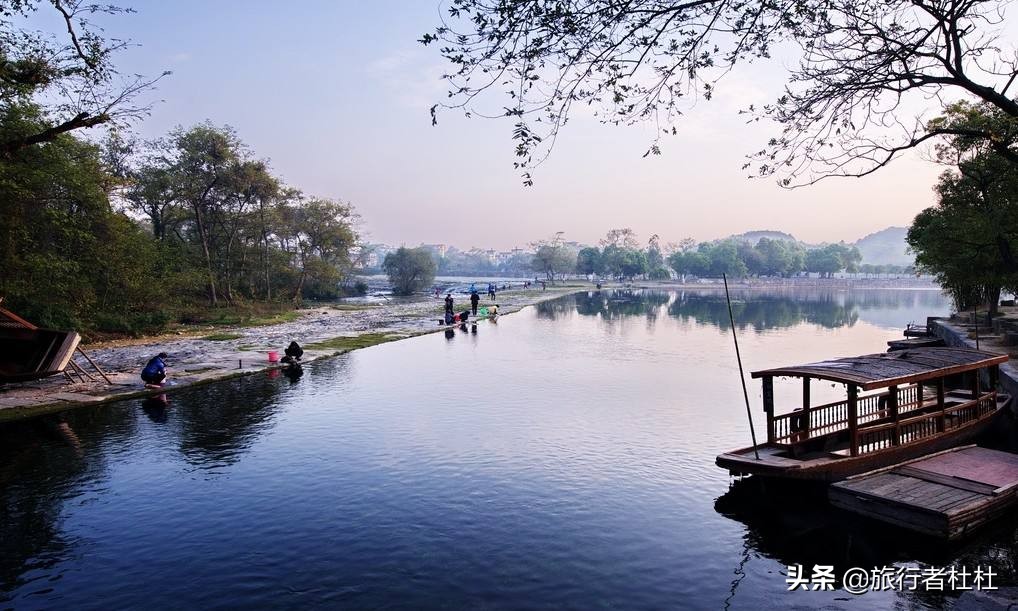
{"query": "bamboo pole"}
[(742, 376)]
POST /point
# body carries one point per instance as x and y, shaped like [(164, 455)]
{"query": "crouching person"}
[(155, 372)]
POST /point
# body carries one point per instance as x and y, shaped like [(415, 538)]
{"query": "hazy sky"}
[(336, 95)]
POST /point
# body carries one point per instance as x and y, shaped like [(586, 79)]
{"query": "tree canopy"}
[(410, 270), (553, 259), (129, 238), (969, 239), (848, 107), (68, 81)]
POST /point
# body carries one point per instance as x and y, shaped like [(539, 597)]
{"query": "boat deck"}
[(945, 495)]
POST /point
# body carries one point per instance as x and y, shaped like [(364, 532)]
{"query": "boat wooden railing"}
[(927, 424), (830, 418)]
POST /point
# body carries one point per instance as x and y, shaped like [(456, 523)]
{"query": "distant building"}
[(439, 249)]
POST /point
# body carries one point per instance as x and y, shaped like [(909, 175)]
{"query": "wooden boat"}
[(926, 400), (29, 353)]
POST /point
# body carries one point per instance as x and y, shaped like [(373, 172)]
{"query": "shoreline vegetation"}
[(238, 345)]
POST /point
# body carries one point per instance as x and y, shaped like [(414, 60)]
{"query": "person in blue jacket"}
[(155, 372)]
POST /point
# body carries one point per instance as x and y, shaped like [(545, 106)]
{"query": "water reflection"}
[(155, 408), (795, 525), (753, 310), (69, 451), (50, 449), (217, 430), (546, 461)]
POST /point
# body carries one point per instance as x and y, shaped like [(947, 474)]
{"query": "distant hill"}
[(885, 247), (754, 236)]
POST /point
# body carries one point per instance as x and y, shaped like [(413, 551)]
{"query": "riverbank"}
[(209, 354), (962, 330)]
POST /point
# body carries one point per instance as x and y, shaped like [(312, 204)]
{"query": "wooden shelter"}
[(927, 400), (29, 353)]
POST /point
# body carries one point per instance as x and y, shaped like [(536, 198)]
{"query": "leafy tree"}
[(659, 273), (632, 262), (67, 80), (552, 259), (823, 261), (751, 258), (724, 259), (70, 260), (780, 257), (589, 261), (845, 110), (320, 231), (654, 257), (409, 269), (255, 238), (689, 262), (969, 239)]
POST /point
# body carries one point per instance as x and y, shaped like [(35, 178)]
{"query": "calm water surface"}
[(562, 457)]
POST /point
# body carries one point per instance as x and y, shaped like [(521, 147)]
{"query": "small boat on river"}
[(899, 405)]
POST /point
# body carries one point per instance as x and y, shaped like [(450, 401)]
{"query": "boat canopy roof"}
[(10, 320), (885, 369)]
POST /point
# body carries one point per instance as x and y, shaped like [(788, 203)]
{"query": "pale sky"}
[(336, 96)]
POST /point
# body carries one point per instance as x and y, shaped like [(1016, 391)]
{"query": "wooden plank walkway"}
[(945, 495), (915, 342)]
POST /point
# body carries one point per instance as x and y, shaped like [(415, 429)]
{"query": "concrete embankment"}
[(209, 355), (958, 331)]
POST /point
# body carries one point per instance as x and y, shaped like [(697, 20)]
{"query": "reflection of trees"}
[(43, 462), (763, 312), (48, 460), (555, 308), (612, 305), (219, 422), (759, 310)]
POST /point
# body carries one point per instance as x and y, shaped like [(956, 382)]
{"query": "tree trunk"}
[(203, 234), (993, 298)]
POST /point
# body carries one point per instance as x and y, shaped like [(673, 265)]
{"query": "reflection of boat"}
[(28, 352), (929, 399)]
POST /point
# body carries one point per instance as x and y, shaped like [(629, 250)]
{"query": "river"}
[(561, 457)]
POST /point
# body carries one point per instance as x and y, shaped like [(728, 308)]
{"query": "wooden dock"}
[(945, 495), (914, 342), (917, 331)]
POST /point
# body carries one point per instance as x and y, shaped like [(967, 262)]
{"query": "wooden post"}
[(91, 362), (79, 371), (940, 406), (853, 419), (975, 385), (892, 405), (768, 405), (805, 407), (994, 376)]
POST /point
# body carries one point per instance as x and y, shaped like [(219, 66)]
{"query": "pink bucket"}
[(273, 356)]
